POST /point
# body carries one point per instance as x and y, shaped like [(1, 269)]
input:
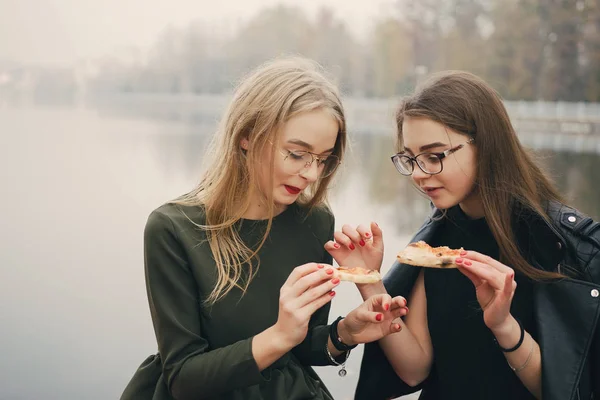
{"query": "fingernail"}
[(387, 307), (467, 262), (352, 247), (376, 224), (367, 234), (406, 309), (335, 281), (463, 253), (362, 242), (459, 260), (379, 317), (320, 266), (398, 327), (332, 293), (337, 246), (329, 271), (512, 275)]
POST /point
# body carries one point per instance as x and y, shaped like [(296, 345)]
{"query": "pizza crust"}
[(421, 254), (357, 275)]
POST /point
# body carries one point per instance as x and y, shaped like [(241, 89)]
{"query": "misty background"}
[(106, 108)]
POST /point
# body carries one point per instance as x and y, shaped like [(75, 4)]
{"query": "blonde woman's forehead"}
[(316, 130)]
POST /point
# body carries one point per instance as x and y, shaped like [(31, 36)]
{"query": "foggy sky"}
[(65, 31)]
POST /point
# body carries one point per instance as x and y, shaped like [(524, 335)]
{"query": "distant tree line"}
[(527, 49)]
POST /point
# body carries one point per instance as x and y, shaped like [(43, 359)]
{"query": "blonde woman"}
[(238, 280)]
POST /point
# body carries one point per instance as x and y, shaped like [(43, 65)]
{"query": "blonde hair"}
[(263, 102)]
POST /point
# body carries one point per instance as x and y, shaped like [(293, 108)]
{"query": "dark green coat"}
[(205, 352)]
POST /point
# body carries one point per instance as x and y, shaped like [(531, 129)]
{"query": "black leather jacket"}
[(566, 311)]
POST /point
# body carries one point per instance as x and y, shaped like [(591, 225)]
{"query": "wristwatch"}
[(335, 338)]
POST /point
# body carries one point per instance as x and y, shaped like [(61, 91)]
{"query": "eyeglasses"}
[(299, 161), (430, 163)]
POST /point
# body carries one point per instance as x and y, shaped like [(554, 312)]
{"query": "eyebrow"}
[(308, 146), (427, 147)]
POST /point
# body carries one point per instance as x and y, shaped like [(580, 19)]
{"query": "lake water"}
[(78, 185)]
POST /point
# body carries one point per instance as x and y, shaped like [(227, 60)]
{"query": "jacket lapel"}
[(562, 340)]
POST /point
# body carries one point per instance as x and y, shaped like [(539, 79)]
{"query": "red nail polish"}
[(332, 293), (367, 234), (467, 262), (379, 317), (320, 266), (329, 271), (463, 253), (362, 242), (335, 281), (335, 245), (352, 247), (459, 260), (387, 307), (406, 309), (398, 327)]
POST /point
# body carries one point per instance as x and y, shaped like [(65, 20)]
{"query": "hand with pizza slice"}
[(494, 282), (495, 288), (358, 251)]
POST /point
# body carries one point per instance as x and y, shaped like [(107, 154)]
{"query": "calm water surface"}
[(78, 185)]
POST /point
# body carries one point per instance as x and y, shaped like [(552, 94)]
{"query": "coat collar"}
[(536, 237)]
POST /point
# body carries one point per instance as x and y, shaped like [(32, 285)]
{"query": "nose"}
[(311, 173), (418, 174)]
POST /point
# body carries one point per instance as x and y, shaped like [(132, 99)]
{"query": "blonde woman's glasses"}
[(299, 161)]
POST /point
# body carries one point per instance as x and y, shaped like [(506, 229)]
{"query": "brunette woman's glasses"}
[(430, 163)]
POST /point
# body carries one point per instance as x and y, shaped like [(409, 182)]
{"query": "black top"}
[(205, 352), (467, 362)]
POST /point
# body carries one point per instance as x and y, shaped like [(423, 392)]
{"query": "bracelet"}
[(519, 369), (335, 338), (519, 343), (342, 372)]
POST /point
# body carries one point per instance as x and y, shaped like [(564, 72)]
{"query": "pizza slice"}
[(423, 255), (357, 275)]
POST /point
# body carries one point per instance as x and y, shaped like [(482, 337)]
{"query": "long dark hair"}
[(507, 175)]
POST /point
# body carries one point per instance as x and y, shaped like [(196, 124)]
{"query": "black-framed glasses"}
[(430, 163), (299, 161)]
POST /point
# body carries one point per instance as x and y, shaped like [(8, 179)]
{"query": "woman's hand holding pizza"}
[(308, 288), (357, 247), (373, 319), (494, 285)]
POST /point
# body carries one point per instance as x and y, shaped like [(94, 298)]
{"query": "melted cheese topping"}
[(425, 257)]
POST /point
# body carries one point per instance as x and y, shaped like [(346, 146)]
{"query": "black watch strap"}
[(335, 338)]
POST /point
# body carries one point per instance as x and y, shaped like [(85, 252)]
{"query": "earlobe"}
[(244, 143)]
